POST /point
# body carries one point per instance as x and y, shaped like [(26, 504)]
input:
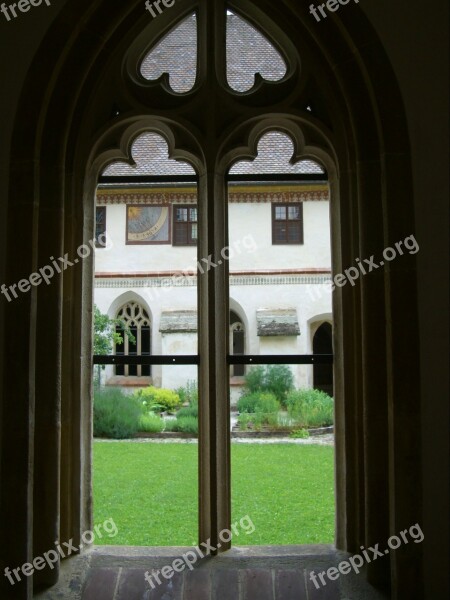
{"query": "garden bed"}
[(265, 432), (269, 406)]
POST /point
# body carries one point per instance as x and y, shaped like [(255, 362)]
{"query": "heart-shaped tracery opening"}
[(249, 52), (175, 54), (275, 154), (150, 155)]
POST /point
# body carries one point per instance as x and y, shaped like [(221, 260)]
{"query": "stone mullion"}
[(214, 428), (214, 445)]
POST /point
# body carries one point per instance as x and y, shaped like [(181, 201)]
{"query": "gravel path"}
[(320, 440)]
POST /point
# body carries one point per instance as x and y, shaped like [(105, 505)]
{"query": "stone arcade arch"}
[(237, 341), (72, 123)]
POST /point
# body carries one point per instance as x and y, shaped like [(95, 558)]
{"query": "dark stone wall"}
[(415, 38)]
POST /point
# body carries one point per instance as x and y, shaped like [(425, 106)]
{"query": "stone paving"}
[(322, 440)]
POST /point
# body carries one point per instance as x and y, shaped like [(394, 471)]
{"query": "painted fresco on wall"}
[(148, 225)]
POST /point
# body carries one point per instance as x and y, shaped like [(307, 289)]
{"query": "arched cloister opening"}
[(52, 145), (323, 344), (237, 342)]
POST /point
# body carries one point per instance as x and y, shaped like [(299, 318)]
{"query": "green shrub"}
[(151, 423), (280, 381), (245, 421), (255, 380), (116, 415), (255, 421), (183, 425), (188, 411), (258, 409), (302, 434), (277, 379), (248, 402), (258, 402), (156, 398), (311, 408), (189, 393)]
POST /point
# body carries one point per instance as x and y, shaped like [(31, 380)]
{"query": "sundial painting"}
[(148, 225)]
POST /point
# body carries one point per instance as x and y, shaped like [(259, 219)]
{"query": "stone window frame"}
[(212, 158)]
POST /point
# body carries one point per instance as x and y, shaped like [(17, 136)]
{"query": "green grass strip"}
[(151, 492)]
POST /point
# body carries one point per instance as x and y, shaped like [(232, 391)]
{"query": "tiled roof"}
[(275, 322), (176, 321)]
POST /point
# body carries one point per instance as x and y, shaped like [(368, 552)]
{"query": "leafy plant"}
[(311, 408), (255, 421), (188, 411), (115, 414), (280, 381), (183, 425), (151, 423), (245, 421), (187, 417), (106, 335), (258, 402), (189, 393), (258, 409), (255, 380), (299, 434), (277, 379), (152, 396)]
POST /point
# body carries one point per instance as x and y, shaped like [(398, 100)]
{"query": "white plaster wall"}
[(255, 220), (173, 377), (312, 302), (123, 258), (250, 240)]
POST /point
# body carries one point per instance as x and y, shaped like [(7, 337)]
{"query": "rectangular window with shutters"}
[(185, 225), (287, 223)]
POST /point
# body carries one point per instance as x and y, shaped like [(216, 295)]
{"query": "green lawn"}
[(150, 491)]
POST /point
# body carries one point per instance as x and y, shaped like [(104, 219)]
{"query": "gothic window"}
[(215, 86), (136, 318)]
